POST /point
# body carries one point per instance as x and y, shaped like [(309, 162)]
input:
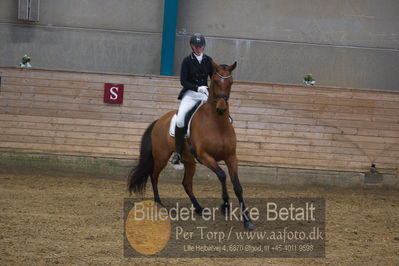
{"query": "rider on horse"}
[(195, 70), (212, 135)]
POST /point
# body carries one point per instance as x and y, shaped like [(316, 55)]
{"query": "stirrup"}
[(176, 158), (176, 162)]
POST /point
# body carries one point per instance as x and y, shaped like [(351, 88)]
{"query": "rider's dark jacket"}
[(193, 74)]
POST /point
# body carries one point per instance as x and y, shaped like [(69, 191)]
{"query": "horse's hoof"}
[(225, 209), (160, 203), (249, 225), (199, 211)]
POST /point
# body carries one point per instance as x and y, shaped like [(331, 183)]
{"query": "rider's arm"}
[(184, 76)]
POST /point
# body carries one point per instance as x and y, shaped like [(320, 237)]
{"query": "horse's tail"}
[(138, 176)]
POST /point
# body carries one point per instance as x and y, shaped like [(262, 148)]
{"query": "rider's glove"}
[(203, 89)]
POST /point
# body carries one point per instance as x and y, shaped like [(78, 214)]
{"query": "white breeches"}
[(190, 98)]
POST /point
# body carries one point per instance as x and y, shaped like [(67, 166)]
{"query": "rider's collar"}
[(199, 57)]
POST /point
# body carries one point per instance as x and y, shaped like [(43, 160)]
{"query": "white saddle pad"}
[(173, 123)]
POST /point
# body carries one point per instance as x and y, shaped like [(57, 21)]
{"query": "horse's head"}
[(221, 85)]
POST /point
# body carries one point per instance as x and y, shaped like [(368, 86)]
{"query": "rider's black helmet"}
[(197, 40)]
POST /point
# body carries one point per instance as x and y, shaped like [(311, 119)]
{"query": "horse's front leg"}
[(231, 163), (225, 196), (210, 162), (189, 171)]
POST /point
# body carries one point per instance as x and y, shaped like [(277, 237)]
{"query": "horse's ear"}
[(232, 67), (214, 65)]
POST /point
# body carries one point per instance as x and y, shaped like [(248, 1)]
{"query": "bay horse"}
[(212, 137)]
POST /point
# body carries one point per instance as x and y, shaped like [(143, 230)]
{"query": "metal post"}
[(168, 37)]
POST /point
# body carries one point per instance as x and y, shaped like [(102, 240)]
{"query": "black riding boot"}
[(179, 140)]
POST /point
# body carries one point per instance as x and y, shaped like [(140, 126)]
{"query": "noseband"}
[(222, 95)]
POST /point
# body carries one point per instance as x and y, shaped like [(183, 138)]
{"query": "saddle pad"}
[(188, 125)]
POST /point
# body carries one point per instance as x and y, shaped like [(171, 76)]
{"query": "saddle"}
[(187, 120)]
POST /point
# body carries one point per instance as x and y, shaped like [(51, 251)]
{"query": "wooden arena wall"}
[(289, 126)]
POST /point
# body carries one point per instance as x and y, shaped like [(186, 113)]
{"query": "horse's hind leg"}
[(189, 171), (159, 164), (154, 182)]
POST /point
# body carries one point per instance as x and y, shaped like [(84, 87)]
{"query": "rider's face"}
[(197, 50)]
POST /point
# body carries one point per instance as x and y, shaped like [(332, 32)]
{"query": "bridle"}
[(221, 76), (221, 95)]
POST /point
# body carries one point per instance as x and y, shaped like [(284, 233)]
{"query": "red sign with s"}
[(113, 93)]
